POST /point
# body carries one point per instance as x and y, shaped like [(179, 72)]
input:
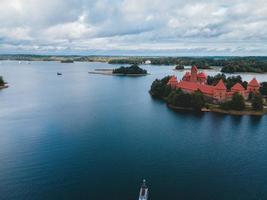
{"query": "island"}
[(201, 93), (133, 70), (2, 83), (67, 61), (179, 67)]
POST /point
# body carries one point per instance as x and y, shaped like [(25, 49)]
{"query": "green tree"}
[(213, 80), (160, 89), (257, 103), (263, 88), (2, 82), (197, 100), (237, 102)]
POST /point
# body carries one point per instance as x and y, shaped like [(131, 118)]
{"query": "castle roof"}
[(202, 75), (173, 79), (254, 83), (206, 89), (220, 85), (238, 87)]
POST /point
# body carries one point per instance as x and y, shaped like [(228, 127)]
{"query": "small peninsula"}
[(2, 83), (133, 70), (199, 92)]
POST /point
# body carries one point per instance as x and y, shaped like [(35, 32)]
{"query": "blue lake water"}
[(86, 136)]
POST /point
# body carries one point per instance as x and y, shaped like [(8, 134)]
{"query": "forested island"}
[(178, 100), (256, 64), (132, 70), (67, 61)]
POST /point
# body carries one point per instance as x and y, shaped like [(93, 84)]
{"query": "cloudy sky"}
[(149, 27)]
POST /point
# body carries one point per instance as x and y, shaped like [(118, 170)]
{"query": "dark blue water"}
[(85, 136)]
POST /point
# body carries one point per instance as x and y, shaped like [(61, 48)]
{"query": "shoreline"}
[(221, 111), (3, 86)]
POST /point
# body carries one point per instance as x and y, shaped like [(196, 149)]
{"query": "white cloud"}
[(224, 26)]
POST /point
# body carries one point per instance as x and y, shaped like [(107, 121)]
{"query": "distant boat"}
[(143, 194), (59, 74)]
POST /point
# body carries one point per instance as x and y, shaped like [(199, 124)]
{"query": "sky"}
[(134, 27)]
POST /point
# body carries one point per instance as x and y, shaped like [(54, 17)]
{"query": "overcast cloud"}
[(169, 27)]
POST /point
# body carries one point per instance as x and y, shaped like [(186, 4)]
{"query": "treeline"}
[(228, 64), (238, 102), (178, 98), (203, 62), (245, 65), (133, 69), (229, 81)]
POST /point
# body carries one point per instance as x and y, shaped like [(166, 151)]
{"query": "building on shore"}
[(148, 62), (194, 80)]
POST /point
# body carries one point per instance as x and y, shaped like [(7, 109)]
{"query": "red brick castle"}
[(193, 81)]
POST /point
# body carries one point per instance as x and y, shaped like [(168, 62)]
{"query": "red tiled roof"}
[(238, 87), (173, 79), (187, 85), (220, 85), (206, 89), (254, 83), (202, 75)]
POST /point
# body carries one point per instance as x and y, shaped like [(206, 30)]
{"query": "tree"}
[(160, 89), (237, 102), (257, 103), (213, 80), (263, 88), (197, 101), (2, 82)]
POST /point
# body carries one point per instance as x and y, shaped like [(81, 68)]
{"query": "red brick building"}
[(193, 81)]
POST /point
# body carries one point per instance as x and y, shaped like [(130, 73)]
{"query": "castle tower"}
[(220, 91), (253, 85), (172, 82), (193, 74)]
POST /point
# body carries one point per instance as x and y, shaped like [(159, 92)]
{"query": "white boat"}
[(143, 194)]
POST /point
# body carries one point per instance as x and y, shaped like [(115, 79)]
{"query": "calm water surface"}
[(95, 137)]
